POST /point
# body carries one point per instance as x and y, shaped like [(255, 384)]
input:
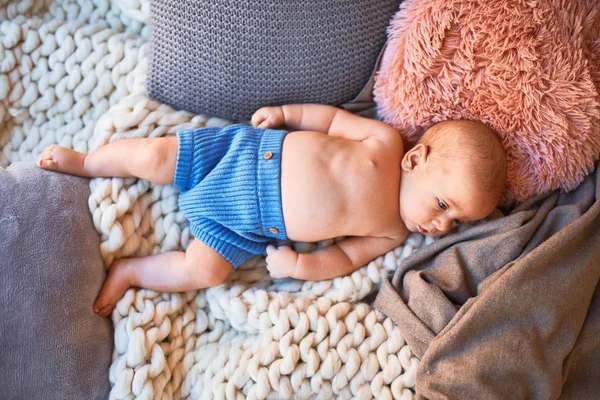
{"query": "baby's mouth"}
[(424, 231)]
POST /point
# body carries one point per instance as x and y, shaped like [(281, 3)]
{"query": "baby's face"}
[(433, 201)]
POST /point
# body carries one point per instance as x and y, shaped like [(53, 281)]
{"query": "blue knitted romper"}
[(230, 182)]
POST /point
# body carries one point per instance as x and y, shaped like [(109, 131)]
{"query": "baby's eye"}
[(442, 205), (458, 221)]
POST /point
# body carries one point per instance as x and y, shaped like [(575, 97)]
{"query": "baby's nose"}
[(443, 225)]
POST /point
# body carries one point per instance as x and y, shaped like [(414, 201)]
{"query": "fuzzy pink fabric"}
[(529, 70)]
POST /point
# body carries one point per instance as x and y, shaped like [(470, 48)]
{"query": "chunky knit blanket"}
[(73, 72)]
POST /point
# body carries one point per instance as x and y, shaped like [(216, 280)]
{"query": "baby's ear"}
[(414, 157)]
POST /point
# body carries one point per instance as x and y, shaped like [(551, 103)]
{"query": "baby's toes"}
[(105, 311), (47, 164), (46, 160), (47, 152)]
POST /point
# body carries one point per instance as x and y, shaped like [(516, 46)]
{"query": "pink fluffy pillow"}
[(527, 69)]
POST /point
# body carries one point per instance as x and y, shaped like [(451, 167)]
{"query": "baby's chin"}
[(412, 227)]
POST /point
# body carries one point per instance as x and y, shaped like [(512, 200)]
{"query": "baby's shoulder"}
[(387, 143), (387, 138)]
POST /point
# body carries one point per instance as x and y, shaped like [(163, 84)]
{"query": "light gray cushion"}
[(228, 58), (52, 346)]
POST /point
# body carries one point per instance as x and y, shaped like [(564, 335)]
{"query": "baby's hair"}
[(471, 142)]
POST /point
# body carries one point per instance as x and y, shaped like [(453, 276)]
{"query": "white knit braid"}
[(11, 9), (129, 16), (73, 73), (57, 78), (249, 339)]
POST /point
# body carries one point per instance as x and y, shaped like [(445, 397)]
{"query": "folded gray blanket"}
[(509, 308)]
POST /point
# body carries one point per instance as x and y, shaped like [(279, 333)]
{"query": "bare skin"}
[(341, 176)]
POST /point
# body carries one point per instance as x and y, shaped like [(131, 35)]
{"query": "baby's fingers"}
[(258, 117), (258, 121)]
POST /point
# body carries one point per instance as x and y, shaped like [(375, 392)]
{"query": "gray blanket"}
[(509, 308)]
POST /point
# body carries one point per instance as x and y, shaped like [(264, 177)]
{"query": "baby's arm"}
[(321, 118), (337, 260)]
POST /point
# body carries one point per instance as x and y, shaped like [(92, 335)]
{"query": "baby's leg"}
[(199, 267), (152, 159)]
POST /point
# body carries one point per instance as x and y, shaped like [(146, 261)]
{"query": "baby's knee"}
[(215, 274), (209, 267), (158, 153), (205, 274)]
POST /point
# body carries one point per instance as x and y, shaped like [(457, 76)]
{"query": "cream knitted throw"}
[(73, 73)]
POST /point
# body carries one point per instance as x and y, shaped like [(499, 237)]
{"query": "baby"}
[(333, 174)]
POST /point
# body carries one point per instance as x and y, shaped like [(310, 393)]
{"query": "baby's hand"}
[(268, 117), (281, 262)]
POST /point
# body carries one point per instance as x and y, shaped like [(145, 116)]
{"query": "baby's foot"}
[(62, 159), (114, 288)]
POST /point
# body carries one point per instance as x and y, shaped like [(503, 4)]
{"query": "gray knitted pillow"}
[(228, 58)]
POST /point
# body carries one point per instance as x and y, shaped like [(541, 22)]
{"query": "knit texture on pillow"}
[(527, 69), (229, 58)]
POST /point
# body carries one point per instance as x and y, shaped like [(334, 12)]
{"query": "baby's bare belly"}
[(312, 219), (322, 182)]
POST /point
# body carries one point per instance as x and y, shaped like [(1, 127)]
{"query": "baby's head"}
[(456, 173)]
